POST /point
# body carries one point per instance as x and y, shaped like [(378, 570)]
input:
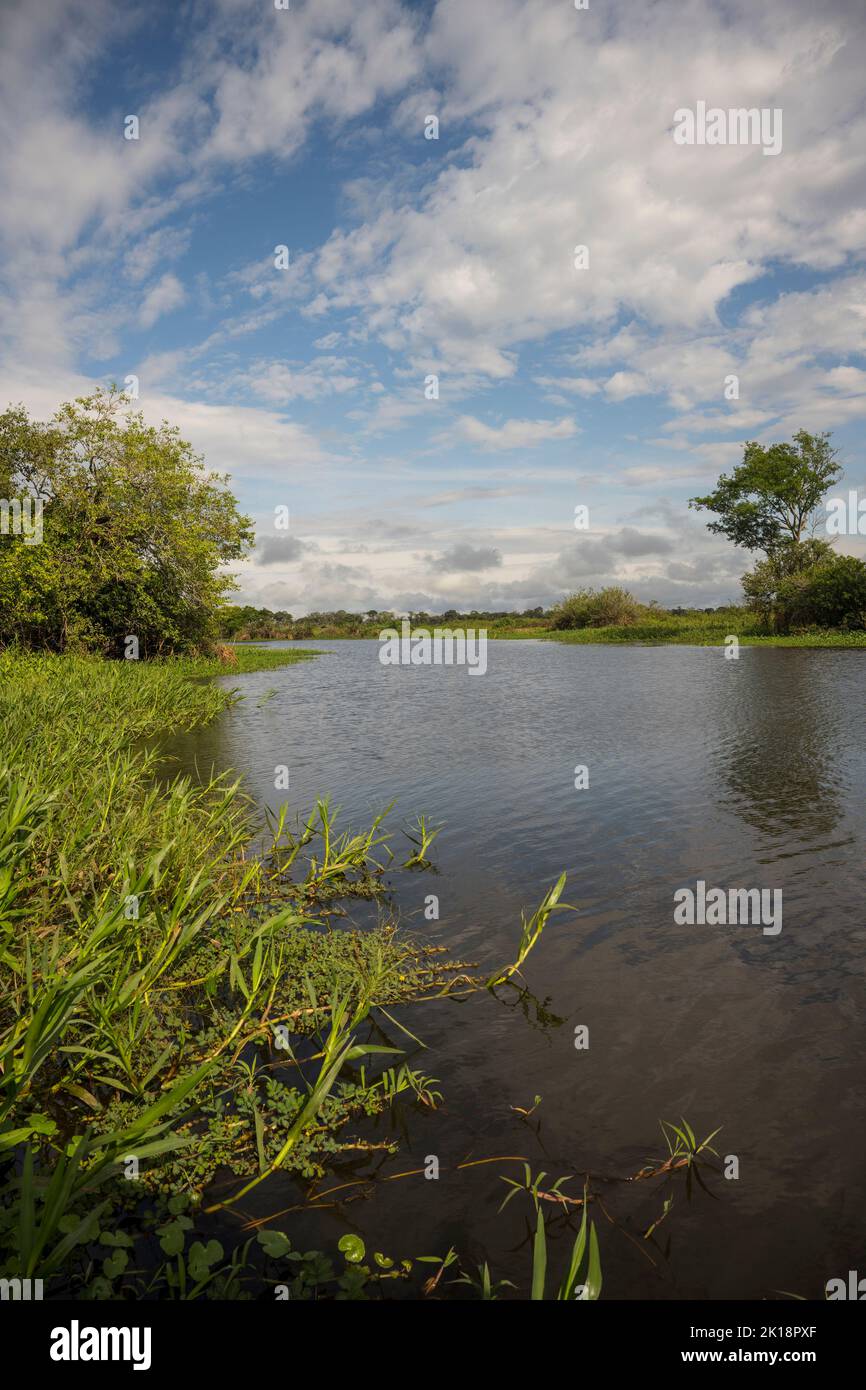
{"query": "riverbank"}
[(713, 633), (172, 1005), (674, 630)]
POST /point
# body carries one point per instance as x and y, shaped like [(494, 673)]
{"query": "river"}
[(746, 773)]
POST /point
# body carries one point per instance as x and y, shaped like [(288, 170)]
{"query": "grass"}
[(146, 956), (243, 660), (531, 929), (703, 630)]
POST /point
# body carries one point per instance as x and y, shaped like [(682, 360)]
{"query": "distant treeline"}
[(241, 623), (245, 623)]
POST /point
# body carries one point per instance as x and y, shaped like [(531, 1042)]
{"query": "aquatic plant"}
[(422, 837), (531, 929)]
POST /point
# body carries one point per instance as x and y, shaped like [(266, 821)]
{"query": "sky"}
[(563, 379)]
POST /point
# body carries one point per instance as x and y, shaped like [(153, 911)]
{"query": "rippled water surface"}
[(746, 773)]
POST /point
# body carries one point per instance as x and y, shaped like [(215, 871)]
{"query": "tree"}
[(774, 494), (135, 532)]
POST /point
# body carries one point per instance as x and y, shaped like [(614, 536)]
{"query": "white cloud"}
[(484, 261), (280, 382), (624, 384), (555, 132), (163, 297), (575, 385), (253, 445), (167, 243), (513, 434)]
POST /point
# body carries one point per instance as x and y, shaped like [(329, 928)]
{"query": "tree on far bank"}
[(771, 502), (774, 495), (135, 532)]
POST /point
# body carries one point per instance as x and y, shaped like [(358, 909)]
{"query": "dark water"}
[(746, 773)]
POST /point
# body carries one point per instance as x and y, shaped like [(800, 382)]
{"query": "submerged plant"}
[(421, 836), (531, 929), (682, 1143)]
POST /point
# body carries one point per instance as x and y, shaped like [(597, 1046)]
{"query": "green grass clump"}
[(243, 660), (148, 958)]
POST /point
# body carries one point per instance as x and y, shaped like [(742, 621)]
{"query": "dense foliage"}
[(807, 584), (134, 533), (146, 959)]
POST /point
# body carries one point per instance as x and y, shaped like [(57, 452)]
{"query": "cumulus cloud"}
[(486, 261), (280, 550), (167, 243), (705, 264), (466, 559), (281, 382)]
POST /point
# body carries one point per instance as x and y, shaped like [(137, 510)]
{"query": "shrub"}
[(612, 607), (805, 584), (833, 595)]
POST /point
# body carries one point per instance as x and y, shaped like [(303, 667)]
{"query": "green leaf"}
[(201, 1257), (172, 1238), (352, 1248), (115, 1264), (593, 1279), (42, 1124), (274, 1243), (115, 1240), (539, 1259)]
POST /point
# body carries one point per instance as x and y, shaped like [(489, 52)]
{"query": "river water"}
[(742, 774)]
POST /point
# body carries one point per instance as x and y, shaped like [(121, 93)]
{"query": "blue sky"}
[(409, 257)]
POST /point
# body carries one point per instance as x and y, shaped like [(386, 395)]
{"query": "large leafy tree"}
[(773, 496), (136, 532)]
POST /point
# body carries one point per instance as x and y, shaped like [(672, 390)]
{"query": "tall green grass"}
[(143, 948)]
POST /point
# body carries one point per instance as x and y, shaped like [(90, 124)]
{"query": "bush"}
[(611, 607), (805, 584), (833, 595)]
